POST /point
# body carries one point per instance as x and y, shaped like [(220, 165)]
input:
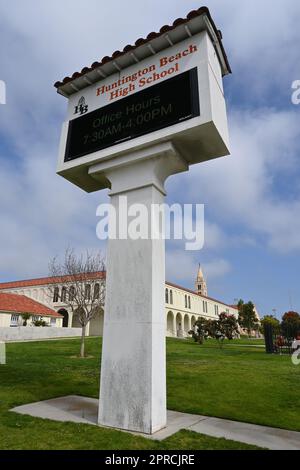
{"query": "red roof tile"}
[(141, 41), (21, 304), (47, 280), (98, 275)]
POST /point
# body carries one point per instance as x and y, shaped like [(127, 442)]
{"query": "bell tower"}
[(200, 284)]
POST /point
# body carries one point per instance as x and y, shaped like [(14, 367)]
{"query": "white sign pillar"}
[(128, 117), (133, 372), (2, 353)]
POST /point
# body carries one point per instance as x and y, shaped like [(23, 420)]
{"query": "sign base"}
[(133, 371)]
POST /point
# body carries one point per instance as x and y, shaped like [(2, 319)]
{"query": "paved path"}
[(84, 410)]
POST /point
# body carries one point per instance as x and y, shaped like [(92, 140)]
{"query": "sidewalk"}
[(84, 410)]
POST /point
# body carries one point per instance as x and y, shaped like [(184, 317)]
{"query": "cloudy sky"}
[(252, 199)]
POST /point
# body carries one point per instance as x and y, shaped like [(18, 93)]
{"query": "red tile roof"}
[(47, 280), (98, 275), (142, 41), (204, 296), (21, 304)]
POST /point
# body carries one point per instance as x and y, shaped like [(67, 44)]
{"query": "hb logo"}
[(82, 107)]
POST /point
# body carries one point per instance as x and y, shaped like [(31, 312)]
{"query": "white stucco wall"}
[(22, 333), (185, 316), (180, 319), (4, 320)]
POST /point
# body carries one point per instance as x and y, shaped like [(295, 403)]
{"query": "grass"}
[(239, 382)]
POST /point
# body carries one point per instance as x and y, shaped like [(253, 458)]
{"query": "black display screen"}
[(159, 106)]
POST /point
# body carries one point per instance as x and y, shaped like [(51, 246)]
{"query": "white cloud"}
[(42, 42), (181, 267), (216, 268), (245, 188)]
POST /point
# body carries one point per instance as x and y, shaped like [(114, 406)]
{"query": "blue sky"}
[(252, 199)]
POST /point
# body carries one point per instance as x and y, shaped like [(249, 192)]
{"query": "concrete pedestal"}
[(2, 353), (133, 372)]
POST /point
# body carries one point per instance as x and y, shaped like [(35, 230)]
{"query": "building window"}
[(53, 322), (64, 294), (167, 296), (205, 309), (96, 291), (171, 297), (72, 294), (189, 302), (14, 321), (216, 310), (56, 295), (185, 301), (227, 310), (36, 318), (88, 292)]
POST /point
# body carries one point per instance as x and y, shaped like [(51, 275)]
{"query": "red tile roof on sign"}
[(131, 50), (50, 280), (21, 304)]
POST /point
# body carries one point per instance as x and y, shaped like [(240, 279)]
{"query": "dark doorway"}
[(66, 317)]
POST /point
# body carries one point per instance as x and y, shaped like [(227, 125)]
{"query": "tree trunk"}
[(82, 345)]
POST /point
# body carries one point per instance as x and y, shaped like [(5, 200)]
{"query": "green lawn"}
[(239, 382)]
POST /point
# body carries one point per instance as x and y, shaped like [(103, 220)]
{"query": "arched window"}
[(167, 296), (185, 301), (72, 294), (56, 295), (96, 291), (88, 291), (189, 302), (171, 297), (64, 294)]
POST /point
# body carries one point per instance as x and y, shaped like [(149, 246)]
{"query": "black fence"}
[(279, 341)]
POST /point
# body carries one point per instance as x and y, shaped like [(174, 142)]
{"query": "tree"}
[(290, 325), (225, 327), (83, 279), (270, 320), (25, 318), (247, 316), (228, 325), (200, 331)]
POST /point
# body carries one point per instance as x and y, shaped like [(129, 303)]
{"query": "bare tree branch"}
[(79, 283)]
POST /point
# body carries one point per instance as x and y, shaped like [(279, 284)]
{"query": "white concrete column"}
[(190, 324), (133, 371), (180, 329), (174, 326)]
